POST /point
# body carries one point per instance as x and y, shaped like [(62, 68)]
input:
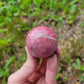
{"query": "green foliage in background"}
[(5, 72), (78, 65), (10, 10)]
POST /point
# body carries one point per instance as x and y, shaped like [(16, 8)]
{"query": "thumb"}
[(51, 70), (26, 70)]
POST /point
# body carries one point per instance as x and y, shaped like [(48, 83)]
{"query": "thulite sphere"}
[(41, 42)]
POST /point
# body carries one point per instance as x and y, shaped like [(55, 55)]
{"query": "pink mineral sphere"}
[(41, 42)]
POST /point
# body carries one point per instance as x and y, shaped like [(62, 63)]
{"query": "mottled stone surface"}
[(41, 41)]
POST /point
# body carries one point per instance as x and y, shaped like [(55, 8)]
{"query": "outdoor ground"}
[(65, 17)]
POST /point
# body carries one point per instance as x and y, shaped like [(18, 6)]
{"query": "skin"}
[(33, 73)]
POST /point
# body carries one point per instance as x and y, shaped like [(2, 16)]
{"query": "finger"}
[(29, 67), (26, 51), (40, 72), (31, 59), (51, 70), (42, 67), (58, 52)]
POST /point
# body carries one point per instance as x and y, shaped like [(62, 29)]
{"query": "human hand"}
[(32, 73)]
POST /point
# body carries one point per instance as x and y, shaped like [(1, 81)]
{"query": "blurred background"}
[(65, 17)]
